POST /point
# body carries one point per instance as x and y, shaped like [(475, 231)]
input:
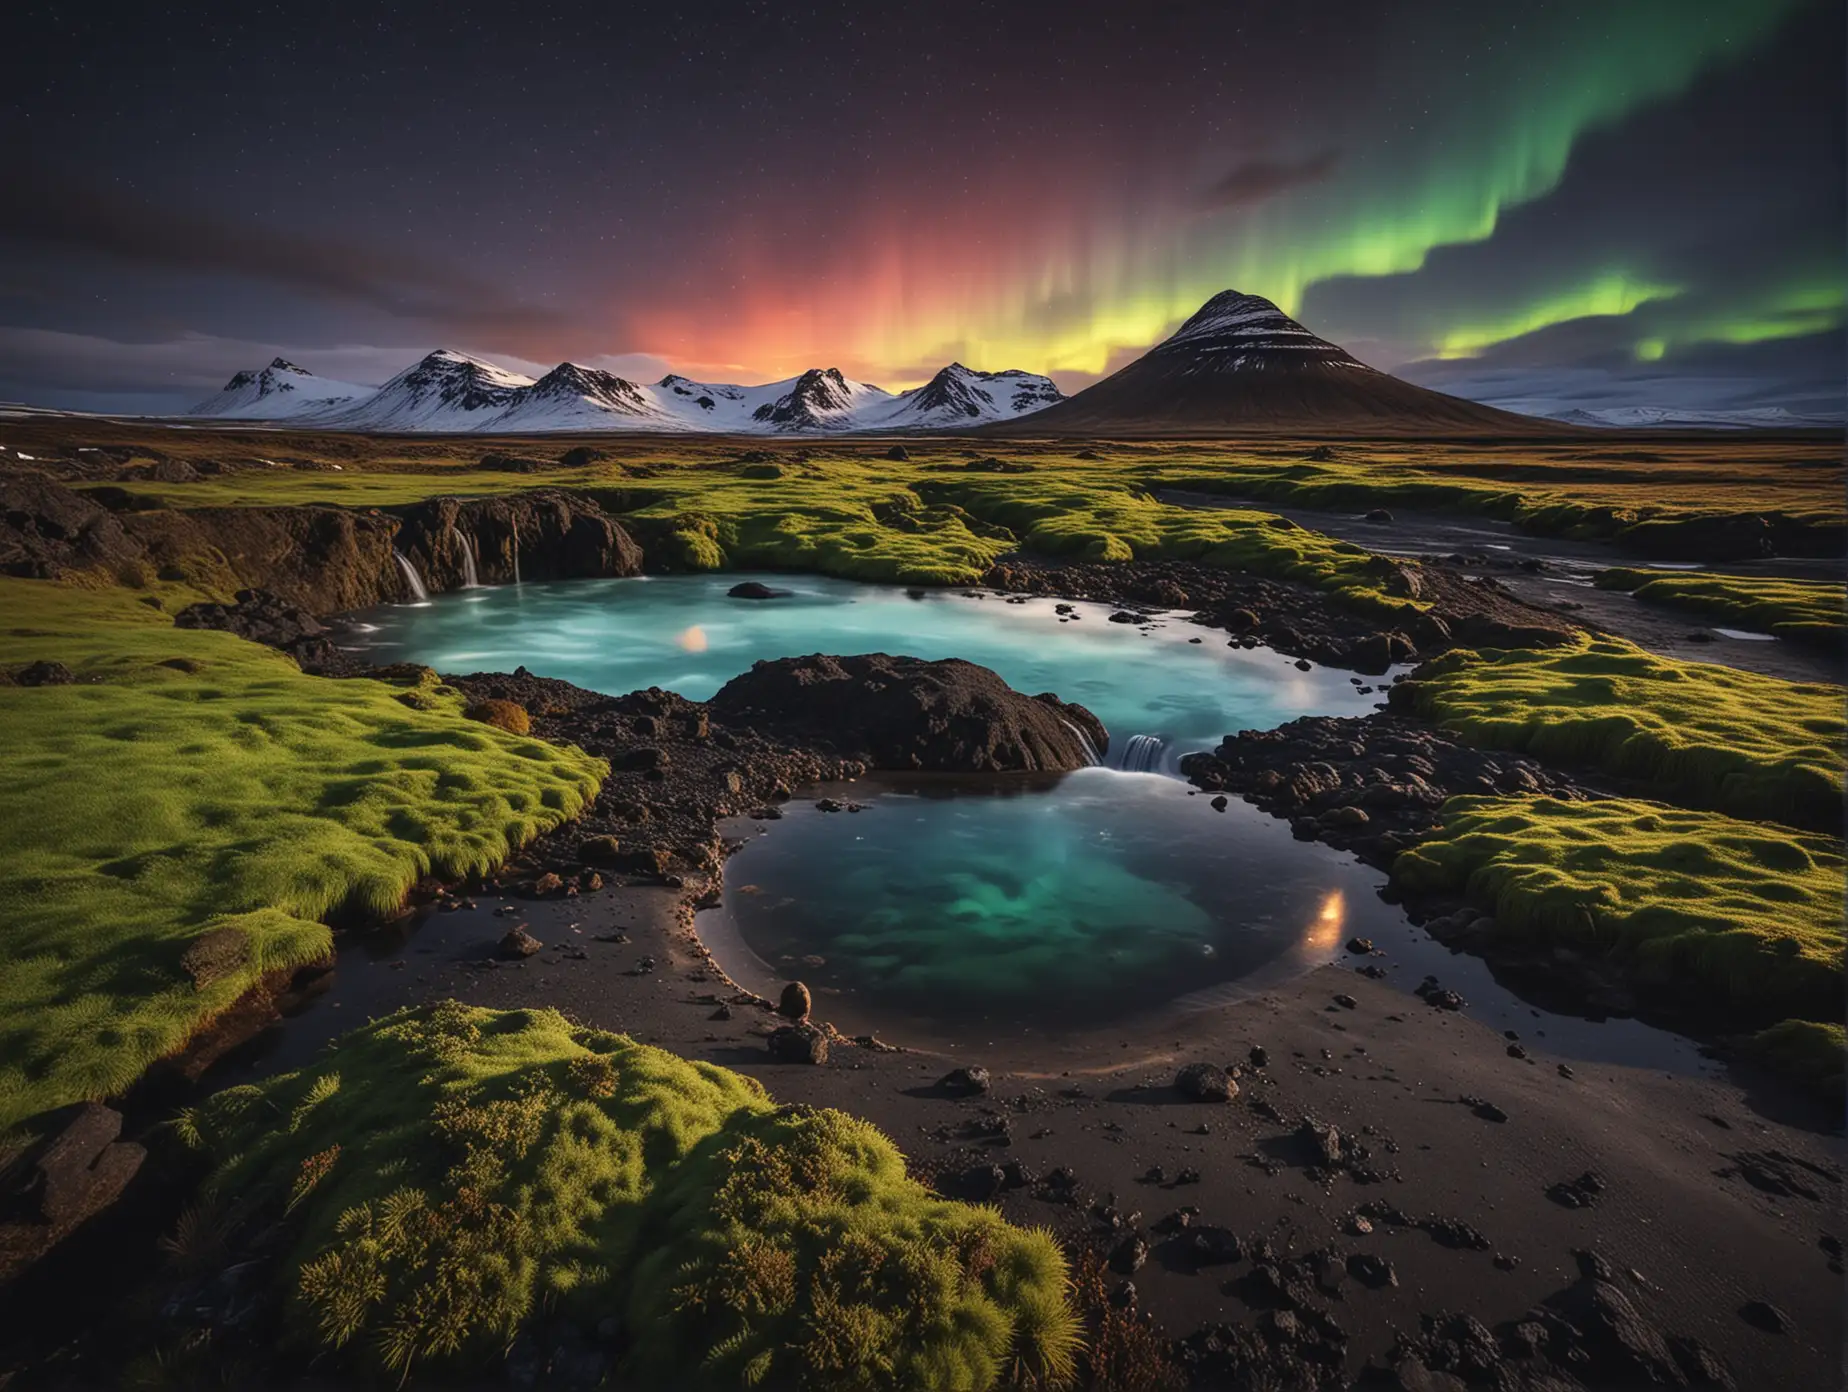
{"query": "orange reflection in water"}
[(1324, 930), (692, 639)]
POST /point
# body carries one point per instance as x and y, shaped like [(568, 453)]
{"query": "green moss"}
[(1812, 1050), (1807, 611), (450, 1171), (1745, 913), (190, 782), (1072, 514), (1750, 745), (1669, 497), (791, 1248), (912, 522)]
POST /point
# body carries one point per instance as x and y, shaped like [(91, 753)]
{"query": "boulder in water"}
[(906, 713), (753, 589)]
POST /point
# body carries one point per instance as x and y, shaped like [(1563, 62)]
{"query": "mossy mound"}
[(1749, 915), (510, 716), (189, 782), (449, 1172), (1814, 1051), (791, 1250), (1803, 611), (1746, 744)]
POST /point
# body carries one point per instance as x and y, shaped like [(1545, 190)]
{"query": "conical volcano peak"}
[(1249, 332), (1239, 363)]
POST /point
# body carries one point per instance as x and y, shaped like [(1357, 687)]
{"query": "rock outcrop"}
[(903, 713), (553, 535), (69, 1176), (320, 559)]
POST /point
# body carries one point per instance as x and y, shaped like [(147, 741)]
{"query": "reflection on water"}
[(1324, 932), (683, 632), (1113, 894)]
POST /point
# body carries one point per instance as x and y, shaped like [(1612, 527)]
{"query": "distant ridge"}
[(1241, 365), (447, 392)]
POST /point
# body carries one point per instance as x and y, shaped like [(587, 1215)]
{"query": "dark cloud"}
[(53, 211), (1259, 179)]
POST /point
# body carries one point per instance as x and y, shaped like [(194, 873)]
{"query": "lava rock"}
[(754, 589), (1761, 1314), (518, 943), (965, 1082), (908, 714), (1129, 1254), (795, 1002), (802, 1043), (1372, 1271), (1205, 1082)]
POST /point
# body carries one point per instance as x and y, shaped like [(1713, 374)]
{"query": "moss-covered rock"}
[(448, 1172), (1744, 914), (1717, 737)]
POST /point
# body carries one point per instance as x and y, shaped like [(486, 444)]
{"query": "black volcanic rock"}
[(557, 535), (1240, 363), (906, 713)]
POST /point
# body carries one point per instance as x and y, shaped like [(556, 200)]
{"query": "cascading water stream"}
[(470, 579), (418, 591), (1143, 754), (1090, 750), (516, 549)]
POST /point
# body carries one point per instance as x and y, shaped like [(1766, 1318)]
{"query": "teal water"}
[(1093, 897), (683, 633)]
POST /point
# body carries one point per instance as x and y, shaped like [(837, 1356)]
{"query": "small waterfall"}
[(1090, 750), (470, 580), (410, 573), (1143, 754), (514, 522)]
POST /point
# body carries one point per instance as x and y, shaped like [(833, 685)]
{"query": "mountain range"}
[(1238, 365), (447, 391)]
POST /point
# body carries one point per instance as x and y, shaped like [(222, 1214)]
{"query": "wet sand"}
[(1719, 1185), (1564, 584)]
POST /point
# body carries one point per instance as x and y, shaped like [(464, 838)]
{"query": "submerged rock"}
[(753, 589)]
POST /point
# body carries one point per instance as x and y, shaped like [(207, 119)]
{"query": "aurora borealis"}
[(1510, 202)]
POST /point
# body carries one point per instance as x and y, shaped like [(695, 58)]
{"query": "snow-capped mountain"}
[(821, 399), (445, 391), (584, 398), (1234, 332), (278, 391), (448, 392), (1240, 364), (1677, 418), (959, 396)]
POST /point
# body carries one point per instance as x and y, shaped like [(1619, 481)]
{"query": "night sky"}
[(1632, 202)]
